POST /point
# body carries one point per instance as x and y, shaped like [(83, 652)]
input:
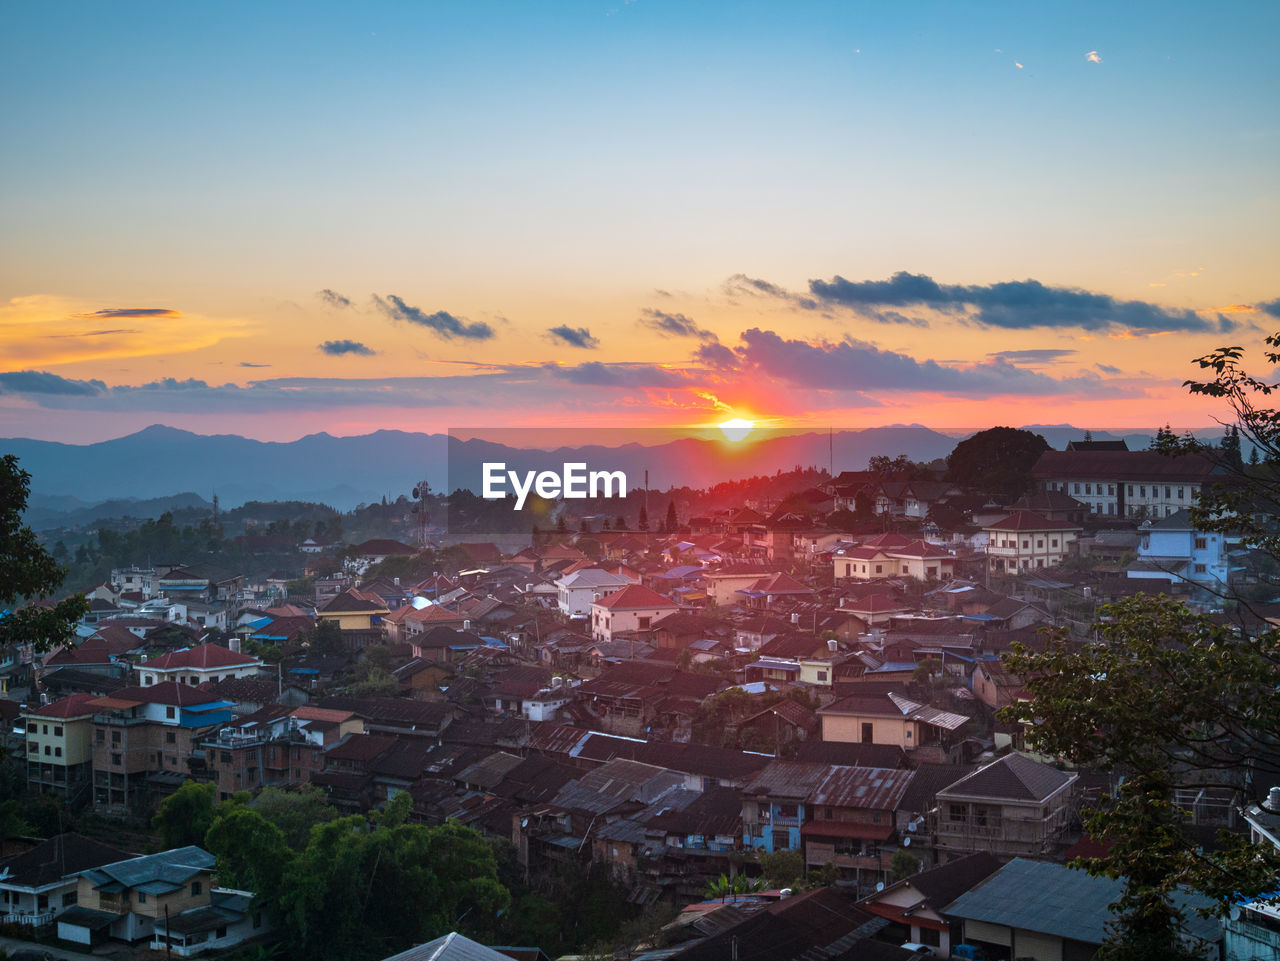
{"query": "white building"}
[(576, 592), (1172, 547)]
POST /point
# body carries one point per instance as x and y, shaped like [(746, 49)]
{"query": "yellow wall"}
[(76, 740), (884, 730)]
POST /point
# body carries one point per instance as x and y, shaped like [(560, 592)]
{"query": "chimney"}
[(833, 645), (795, 618), (234, 643), (466, 625)]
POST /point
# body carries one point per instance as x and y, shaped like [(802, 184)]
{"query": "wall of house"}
[(56, 740), (722, 589), (884, 730)]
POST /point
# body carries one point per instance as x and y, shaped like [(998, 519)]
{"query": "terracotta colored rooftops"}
[(1030, 521), (202, 656), (1124, 465), (170, 692), (77, 705), (354, 601), (634, 597)]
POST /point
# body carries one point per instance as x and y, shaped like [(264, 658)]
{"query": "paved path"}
[(64, 954)]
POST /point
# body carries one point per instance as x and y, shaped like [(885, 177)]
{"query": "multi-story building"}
[(1026, 541), (894, 555), (1128, 483), (634, 608), (1013, 806), (774, 805), (145, 742), (1172, 547), (38, 885), (196, 665), (60, 745), (265, 749)]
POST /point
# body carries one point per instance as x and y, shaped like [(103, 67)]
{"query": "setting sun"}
[(737, 429)]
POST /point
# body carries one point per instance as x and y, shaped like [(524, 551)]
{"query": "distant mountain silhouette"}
[(345, 471)]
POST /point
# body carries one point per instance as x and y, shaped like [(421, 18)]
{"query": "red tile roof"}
[(170, 692), (204, 656), (77, 705), (1030, 521), (633, 597)]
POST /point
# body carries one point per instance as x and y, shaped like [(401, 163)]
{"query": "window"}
[(1039, 545), (1201, 543), (1200, 569), (115, 760), (1142, 491), (47, 750), (57, 731), (866, 733), (1130, 490), (822, 675), (1026, 543), (879, 568), (1053, 542), (100, 735), (142, 897), (1088, 488), (31, 728), (644, 622), (1077, 489), (44, 728), (170, 737), (1180, 493), (930, 937), (196, 888), (1167, 493), (170, 712), (69, 899), (1111, 490), (904, 569), (220, 932), (57, 752), (115, 737), (955, 812)]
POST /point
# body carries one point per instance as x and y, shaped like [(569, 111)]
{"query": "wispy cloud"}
[(118, 312), (853, 365), (1033, 355), (334, 299), (338, 348), (579, 337), (1271, 307), (441, 322), (245, 363), (1092, 57), (673, 325), (1013, 305)]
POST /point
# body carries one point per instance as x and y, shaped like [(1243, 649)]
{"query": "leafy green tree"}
[(29, 572), (997, 461), (326, 638), (186, 815), (294, 812), (673, 522), (252, 852), (782, 868), (903, 864)]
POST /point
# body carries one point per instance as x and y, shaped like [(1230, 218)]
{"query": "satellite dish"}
[(1234, 913), (420, 602), (911, 826), (906, 842), (879, 885)]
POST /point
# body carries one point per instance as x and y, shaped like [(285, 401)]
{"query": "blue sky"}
[(530, 167)]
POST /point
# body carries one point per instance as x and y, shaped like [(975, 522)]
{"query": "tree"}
[(782, 868), (997, 461), (673, 522), (186, 815), (295, 812), (326, 638), (28, 572), (903, 864), (644, 519), (1169, 697)]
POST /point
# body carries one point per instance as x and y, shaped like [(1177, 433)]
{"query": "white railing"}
[(35, 920)]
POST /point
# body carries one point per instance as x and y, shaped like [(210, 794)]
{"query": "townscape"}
[(779, 728)]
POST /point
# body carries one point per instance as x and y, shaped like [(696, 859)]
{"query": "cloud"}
[(853, 365), (1018, 65), (631, 376), (716, 356), (245, 363), (1013, 305), (1092, 57), (1107, 368), (1033, 356), (578, 337), (755, 287), (135, 312), (43, 382), (334, 299), (1271, 307), (337, 348), (441, 322), (673, 325), (94, 333)]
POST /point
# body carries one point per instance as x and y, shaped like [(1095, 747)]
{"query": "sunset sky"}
[(274, 219)]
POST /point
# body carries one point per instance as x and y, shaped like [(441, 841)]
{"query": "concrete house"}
[(38, 885), (1013, 806), (634, 608), (1026, 541), (576, 592)]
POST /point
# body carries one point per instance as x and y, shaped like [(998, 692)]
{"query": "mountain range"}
[(70, 480)]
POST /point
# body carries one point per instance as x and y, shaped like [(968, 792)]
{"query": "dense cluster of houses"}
[(664, 705)]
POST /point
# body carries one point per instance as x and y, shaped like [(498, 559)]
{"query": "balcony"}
[(32, 920)]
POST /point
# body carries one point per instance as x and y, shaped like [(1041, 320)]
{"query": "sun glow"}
[(736, 429)]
